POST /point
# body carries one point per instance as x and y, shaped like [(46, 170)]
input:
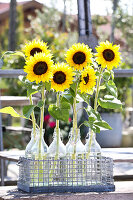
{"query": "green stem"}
[(57, 128), (98, 89), (95, 108), (41, 119), (33, 118), (90, 141)]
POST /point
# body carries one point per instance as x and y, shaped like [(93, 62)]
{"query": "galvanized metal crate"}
[(66, 174)]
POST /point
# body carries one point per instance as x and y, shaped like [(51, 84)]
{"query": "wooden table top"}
[(124, 190), (118, 154)]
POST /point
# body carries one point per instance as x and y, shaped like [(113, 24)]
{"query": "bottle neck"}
[(74, 134), (55, 134)]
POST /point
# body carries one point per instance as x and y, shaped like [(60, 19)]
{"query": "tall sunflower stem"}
[(95, 108), (75, 123), (57, 128), (41, 118), (98, 89), (33, 118)]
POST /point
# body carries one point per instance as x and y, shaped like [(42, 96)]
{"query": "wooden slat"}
[(124, 190)]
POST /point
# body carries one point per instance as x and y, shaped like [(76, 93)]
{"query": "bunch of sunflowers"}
[(74, 81)]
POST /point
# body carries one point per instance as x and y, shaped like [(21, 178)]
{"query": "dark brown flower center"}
[(40, 68), (79, 58), (35, 50), (59, 77), (86, 79), (108, 54)]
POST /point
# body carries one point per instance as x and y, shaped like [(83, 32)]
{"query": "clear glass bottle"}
[(93, 155), (52, 150), (92, 147), (74, 144), (40, 148), (75, 152), (28, 153), (57, 159)]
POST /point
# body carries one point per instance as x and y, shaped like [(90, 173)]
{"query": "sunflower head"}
[(35, 46), (62, 77), (39, 68), (88, 80), (78, 56), (108, 55)]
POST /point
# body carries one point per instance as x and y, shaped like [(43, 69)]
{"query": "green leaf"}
[(91, 111), (92, 119), (67, 98), (12, 53), (48, 86), (97, 73), (74, 85), (27, 110), (106, 75), (72, 92), (31, 91), (40, 104), (86, 123), (102, 124), (102, 87), (11, 111), (111, 87), (79, 98), (60, 113), (96, 129), (85, 97), (110, 104), (109, 97)]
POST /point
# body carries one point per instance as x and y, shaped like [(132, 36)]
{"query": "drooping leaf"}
[(79, 98), (85, 97), (31, 91), (110, 104), (91, 111), (60, 113), (67, 97), (95, 128), (11, 111), (111, 87), (103, 124), (109, 97), (106, 75), (27, 110), (102, 87)]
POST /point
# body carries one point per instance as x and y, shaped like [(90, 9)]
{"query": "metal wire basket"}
[(66, 174)]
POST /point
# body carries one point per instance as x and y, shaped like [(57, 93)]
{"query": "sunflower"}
[(36, 46), (39, 68), (62, 77), (108, 55), (78, 56), (88, 80)]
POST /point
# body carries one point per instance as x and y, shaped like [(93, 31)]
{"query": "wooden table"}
[(124, 191)]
